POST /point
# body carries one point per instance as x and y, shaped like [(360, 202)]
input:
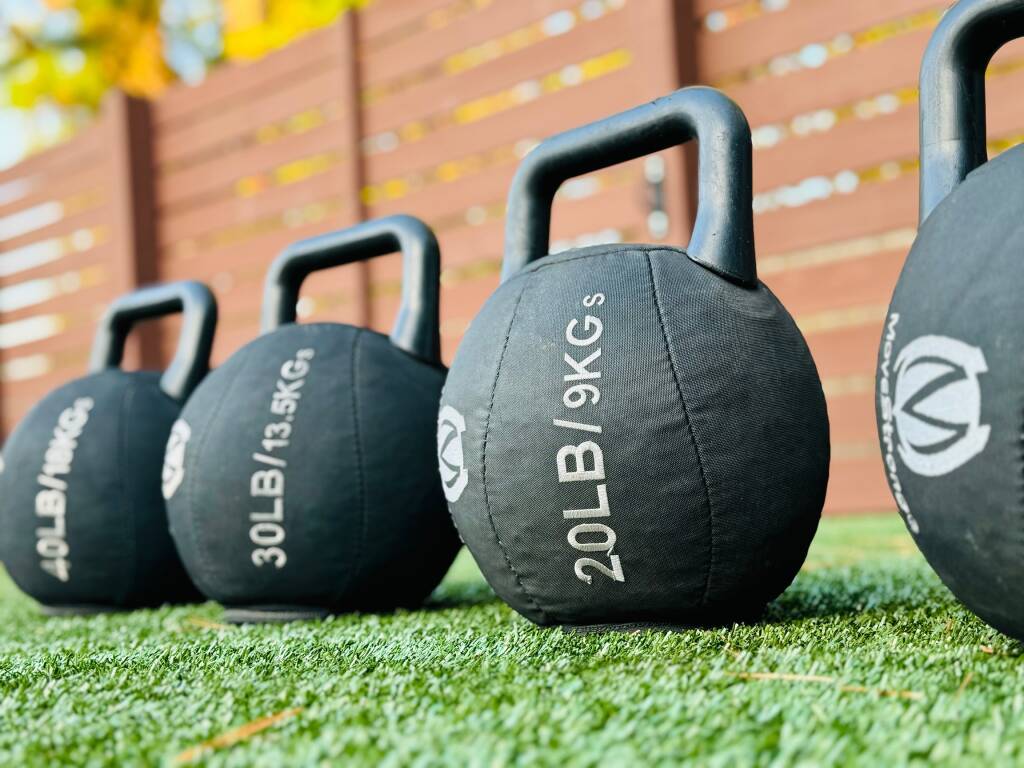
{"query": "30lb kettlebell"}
[(307, 459), (636, 434), (950, 382), (83, 520)]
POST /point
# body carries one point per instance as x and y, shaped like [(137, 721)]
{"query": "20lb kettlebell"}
[(636, 434), (950, 378), (83, 520), (307, 459)]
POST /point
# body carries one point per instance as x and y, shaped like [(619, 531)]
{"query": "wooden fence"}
[(426, 107)]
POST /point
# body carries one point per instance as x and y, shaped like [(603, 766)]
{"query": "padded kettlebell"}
[(83, 519), (636, 434), (950, 377), (309, 485)]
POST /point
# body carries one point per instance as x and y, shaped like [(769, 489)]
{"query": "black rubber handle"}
[(199, 321), (417, 327), (953, 92), (723, 232)]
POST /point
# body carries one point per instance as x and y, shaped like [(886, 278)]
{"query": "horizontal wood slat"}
[(803, 23), (382, 16), (536, 119), (236, 84), (430, 47), (851, 77), (535, 61)]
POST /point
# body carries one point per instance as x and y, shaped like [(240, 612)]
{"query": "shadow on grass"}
[(460, 595), (842, 591), (820, 594)]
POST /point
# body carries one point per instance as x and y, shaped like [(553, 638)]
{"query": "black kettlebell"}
[(951, 363), (636, 434), (83, 520), (308, 463)]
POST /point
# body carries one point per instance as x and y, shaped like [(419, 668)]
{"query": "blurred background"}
[(147, 140)]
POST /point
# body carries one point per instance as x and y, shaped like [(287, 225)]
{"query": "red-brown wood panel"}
[(856, 482), (235, 124), (541, 58), (236, 84), (260, 155), (58, 268), (55, 161), (860, 73), (803, 23), (382, 17), (876, 207), (426, 106), (222, 174), (426, 51), (853, 283), (534, 119)]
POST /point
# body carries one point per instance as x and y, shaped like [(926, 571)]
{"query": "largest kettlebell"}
[(83, 522), (636, 433), (309, 483), (950, 383)]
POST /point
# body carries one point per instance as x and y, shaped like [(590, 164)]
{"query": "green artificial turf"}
[(866, 660)]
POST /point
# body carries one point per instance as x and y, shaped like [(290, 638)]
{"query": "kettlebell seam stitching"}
[(360, 469), (1020, 470), (192, 527), (129, 519), (690, 431), (483, 470), (538, 265)]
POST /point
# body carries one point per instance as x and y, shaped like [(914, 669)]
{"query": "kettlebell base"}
[(85, 609), (749, 616), (274, 614)]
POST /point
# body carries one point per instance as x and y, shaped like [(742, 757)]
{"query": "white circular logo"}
[(937, 404), (174, 458), (450, 459)]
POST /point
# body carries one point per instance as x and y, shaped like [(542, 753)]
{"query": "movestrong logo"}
[(937, 404), (450, 458), (174, 458)]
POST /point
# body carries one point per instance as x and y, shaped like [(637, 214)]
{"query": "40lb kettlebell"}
[(636, 434), (309, 484), (950, 381), (83, 519)]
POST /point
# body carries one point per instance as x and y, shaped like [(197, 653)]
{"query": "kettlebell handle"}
[(191, 360), (723, 232), (953, 132), (417, 327)]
